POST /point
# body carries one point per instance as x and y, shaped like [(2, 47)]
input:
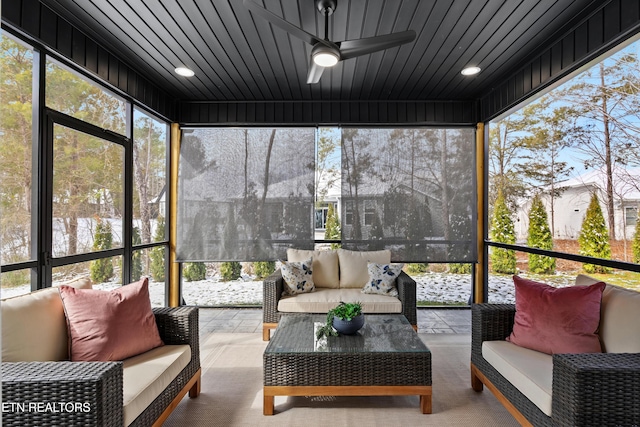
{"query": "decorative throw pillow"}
[(298, 277), (382, 279), (557, 320), (110, 325)]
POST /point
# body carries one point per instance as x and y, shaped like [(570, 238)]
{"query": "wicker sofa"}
[(339, 275), (589, 389), (42, 387)]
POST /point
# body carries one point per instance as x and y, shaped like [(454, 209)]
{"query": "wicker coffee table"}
[(386, 357)]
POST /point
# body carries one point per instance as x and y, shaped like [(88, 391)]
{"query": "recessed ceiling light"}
[(470, 71), (184, 71)]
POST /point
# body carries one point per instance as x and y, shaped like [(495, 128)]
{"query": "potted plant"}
[(346, 318)]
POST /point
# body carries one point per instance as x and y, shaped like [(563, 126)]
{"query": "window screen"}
[(245, 194)]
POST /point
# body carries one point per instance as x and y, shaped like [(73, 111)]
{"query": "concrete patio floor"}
[(249, 320)]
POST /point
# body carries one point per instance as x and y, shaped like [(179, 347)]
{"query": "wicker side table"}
[(386, 357)]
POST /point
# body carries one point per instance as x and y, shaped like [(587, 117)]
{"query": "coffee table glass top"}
[(380, 333)]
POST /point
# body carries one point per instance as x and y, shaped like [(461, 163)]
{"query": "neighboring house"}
[(575, 194)]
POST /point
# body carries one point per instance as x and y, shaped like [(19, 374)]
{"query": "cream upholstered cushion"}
[(324, 267), (147, 375), (353, 266), (530, 371), (619, 326), (78, 283), (322, 300), (34, 328)]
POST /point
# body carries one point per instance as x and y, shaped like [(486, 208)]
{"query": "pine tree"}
[(594, 237), (540, 237), (194, 271), (502, 260), (263, 269), (101, 269), (230, 270), (157, 254), (136, 257), (636, 243), (332, 227)]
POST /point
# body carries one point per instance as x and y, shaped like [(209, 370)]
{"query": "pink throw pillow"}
[(557, 320), (110, 325)]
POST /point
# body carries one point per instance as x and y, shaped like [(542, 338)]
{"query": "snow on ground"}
[(439, 288)]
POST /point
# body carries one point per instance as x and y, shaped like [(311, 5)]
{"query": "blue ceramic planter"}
[(348, 327)]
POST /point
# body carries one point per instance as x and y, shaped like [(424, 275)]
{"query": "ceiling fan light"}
[(184, 71), (470, 71), (325, 56)]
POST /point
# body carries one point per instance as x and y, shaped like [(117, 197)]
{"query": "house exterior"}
[(575, 194)]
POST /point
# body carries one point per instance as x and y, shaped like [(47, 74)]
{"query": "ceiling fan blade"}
[(357, 47), (285, 25), (315, 72)]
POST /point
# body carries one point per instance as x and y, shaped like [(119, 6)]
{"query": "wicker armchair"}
[(90, 393), (595, 389), (274, 285)]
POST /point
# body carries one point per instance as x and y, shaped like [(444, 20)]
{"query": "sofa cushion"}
[(110, 325), (147, 375), (620, 306), (78, 283), (298, 277), (323, 300), (557, 320), (529, 371), (325, 266), (34, 328), (382, 279), (353, 266)]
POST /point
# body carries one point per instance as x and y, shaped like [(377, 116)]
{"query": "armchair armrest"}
[(180, 325), (407, 295), (490, 322), (272, 292), (62, 393), (596, 389)]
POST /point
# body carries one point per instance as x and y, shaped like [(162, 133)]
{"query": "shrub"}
[(101, 269), (230, 270), (594, 237), (417, 268), (263, 269), (194, 271), (636, 243), (459, 268), (332, 227), (157, 267), (502, 260), (540, 237)]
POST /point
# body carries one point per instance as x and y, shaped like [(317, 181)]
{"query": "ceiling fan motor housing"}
[(326, 7)]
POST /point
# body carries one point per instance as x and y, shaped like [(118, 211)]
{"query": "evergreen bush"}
[(502, 260), (417, 268), (594, 237), (459, 268), (263, 269), (194, 271), (136, 257), (101, 269), (636, 243), (332, 227), (230, 270), (540, 237), (157, 267)]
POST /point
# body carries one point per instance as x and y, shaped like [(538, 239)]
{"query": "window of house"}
[(631, 215)]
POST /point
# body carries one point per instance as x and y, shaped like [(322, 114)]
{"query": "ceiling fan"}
[(324, 52)]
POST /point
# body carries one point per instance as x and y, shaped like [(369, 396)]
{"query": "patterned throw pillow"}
[(382, 279), (297, 277)]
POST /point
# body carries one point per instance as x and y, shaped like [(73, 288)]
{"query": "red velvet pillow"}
[(557, 320), (110, 325)]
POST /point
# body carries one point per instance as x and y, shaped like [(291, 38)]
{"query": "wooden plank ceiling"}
[(237, 56)]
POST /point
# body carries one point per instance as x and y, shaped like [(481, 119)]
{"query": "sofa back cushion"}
[(619, 325), (324, 266), (353, 266), (34, 327)]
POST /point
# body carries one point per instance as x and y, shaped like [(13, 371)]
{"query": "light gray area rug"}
[(232, 393)]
